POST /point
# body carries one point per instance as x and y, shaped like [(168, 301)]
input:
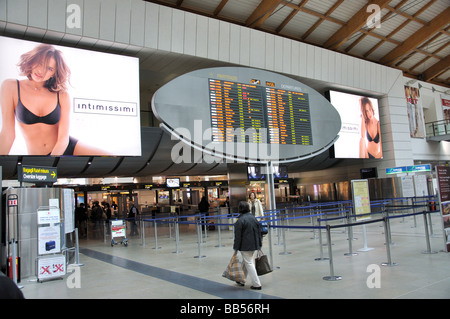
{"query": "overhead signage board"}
[(418, 168), (37, 174), (249, 115), (396, 170), (409, 169)]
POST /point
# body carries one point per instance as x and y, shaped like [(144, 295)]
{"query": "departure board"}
[(237, 107), (288, 117)]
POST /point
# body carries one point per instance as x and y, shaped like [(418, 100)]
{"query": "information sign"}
[(288, 117), (51, 267), (418, 168), (37, 174), (443, 177), (361, 199), (244, 106), (118, 228), (395, 170), (48, 216), (235, 106), (246, 115)]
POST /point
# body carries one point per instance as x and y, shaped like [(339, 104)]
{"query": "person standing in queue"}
[(255, 205), (248, 239)]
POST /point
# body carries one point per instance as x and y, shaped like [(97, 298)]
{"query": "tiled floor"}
[(141, 271)]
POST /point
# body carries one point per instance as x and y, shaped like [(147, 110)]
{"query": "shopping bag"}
[(262, 264), (234, 271)]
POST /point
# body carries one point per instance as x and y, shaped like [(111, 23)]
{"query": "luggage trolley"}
[(119, 230)]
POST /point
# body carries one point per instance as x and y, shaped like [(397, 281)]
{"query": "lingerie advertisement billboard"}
[(62, 101), (360, 134), (415, 112)]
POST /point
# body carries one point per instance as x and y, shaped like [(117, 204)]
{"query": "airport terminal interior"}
[(330, 118)]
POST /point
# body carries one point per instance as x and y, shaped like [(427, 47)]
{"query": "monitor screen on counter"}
[(62, 101), (360, 134)]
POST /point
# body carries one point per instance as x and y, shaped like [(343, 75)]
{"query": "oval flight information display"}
[(247, 114)]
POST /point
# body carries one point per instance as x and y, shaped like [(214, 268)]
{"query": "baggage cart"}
[(119, 232)]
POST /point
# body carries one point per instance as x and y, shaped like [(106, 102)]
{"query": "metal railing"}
[(437, 128)]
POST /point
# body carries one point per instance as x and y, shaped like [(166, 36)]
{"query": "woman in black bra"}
[(370, 142), (41, 105)]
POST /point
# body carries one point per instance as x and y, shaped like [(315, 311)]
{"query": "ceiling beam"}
[(435, 25), (436, 69), (262, 12), (219, 7), (319, 22), (369, 32), (290, 16), (353, 25)]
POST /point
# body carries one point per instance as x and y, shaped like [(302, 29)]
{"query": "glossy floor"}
[(168, 268)]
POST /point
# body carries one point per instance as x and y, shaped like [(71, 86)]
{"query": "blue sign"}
[(408, 169), (419, 168), (396, 170)]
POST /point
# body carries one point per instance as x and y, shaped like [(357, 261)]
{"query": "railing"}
[(438, 128)]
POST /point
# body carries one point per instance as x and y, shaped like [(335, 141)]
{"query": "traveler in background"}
[(203, 207), (107, 210), (255, 205), (80, 219), (248, 239), (132, 216), (97, 218)]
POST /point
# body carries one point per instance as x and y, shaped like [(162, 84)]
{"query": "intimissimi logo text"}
[(91, 106)]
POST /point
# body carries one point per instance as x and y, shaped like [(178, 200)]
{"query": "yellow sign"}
[(361, 199)]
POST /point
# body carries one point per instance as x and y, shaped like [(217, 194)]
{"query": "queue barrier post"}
[(430, 225), (312, 223), (427, 236), (320, 242), (219, 234), (269, 225), (177, 235), (199, 239), (77, 249), (414, 210), (156, 234), (283, 223), (142, 232), (387, 228), (332, 276), (388, 244), (277, 221), (350, 238)]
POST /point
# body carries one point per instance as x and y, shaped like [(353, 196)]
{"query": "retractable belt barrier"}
[(324, 212)]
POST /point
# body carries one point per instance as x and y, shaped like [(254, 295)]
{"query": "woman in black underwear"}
[(370, 142), (41, 105)]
